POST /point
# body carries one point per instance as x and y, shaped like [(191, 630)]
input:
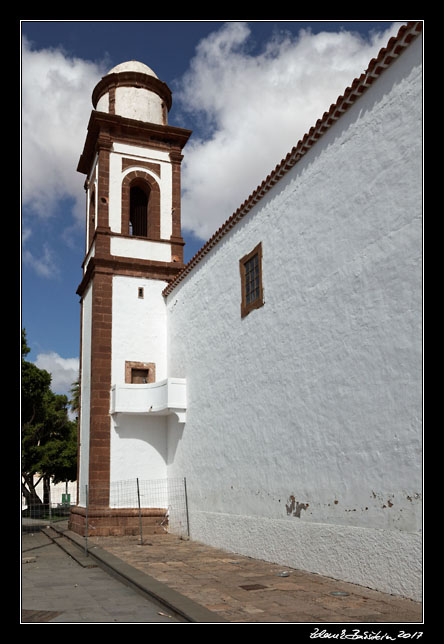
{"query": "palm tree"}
[(75, 397)]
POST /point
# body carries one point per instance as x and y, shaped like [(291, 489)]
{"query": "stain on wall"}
[(294, 507)]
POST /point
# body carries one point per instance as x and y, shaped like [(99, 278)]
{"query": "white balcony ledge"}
[(158, 399)]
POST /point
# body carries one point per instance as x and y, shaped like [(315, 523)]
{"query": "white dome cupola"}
[(132, 90)]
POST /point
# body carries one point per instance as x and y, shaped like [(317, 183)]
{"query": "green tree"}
[(49, 438)]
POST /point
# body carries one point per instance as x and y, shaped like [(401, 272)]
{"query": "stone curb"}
[(144, 583), (71, 549)]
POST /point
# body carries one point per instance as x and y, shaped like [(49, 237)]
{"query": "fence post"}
[(186, 505), (86, 521), (140, 513), (49, 501)]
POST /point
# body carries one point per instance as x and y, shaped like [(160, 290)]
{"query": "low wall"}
[(105, 522)]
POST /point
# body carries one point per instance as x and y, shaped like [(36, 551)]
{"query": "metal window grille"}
[(252, 279)]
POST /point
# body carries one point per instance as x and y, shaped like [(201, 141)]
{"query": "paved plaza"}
[(190, 582)]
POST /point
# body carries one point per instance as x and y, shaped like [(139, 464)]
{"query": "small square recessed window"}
[(139, 376), (140, 291), (251, 280), (139, 373)]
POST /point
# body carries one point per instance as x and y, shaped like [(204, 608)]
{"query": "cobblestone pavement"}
[(241, 589)]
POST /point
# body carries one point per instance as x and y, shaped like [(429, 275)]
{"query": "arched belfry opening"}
[(139, 198), (141, 205)]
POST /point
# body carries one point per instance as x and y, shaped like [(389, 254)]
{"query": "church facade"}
[(280, 370)]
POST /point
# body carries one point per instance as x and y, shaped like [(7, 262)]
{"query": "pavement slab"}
[(241, 589), (56, 588), (196, 583)]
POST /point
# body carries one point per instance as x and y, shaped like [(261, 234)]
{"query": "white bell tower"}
[(134, 248)]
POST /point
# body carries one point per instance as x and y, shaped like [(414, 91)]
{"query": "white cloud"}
[(45, 265), (257, 107), (26, 234), (56, 103), (64, 371)]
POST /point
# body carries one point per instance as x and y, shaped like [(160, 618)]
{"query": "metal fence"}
[(164, 495), (37, 515), (167, 496), (47, 504)]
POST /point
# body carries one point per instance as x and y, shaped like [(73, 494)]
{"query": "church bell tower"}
[(134, 248)]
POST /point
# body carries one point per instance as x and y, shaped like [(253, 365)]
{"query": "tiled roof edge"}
[(406, 34)]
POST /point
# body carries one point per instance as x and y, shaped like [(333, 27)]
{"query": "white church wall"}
[(135, 103), (140, 249), (303, 440), (138, 103), (138, 448), (103, 103), (138, 443)]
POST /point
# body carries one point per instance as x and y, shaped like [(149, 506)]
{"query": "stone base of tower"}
[(106, 522)]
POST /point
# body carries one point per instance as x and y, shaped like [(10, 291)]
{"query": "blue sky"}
[(249, 91)]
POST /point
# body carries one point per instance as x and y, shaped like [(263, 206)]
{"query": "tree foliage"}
[(49, 437)]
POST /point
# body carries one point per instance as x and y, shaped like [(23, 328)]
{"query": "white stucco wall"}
[(103, 103), (135, 103), (303, 436), (140, 249), (139, 103), (138, 449), (138, 443)]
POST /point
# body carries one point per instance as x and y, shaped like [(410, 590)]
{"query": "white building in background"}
[(60, 493), (279, 371)]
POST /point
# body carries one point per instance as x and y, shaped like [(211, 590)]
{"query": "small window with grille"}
[(251, 280)]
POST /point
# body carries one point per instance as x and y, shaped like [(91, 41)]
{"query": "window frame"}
[(246, 308)]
